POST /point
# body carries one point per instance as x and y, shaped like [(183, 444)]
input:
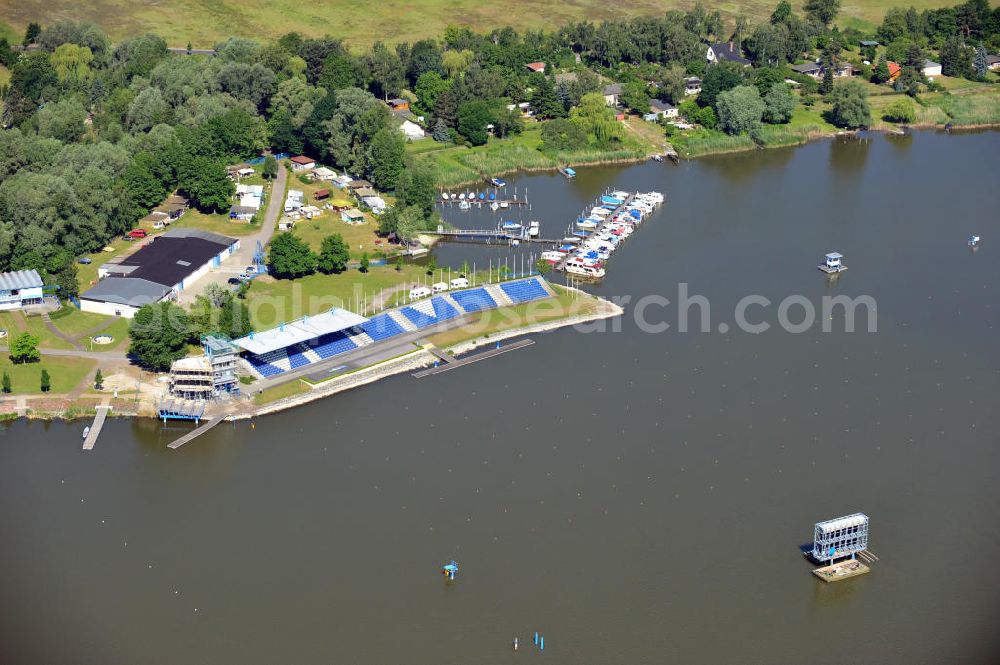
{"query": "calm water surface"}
[(638, 498)]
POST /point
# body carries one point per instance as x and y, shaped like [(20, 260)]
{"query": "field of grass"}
[(361, 23), (280, 392), (64, 373), (16, 322), (360, 238), (273, 301), (462, 165)]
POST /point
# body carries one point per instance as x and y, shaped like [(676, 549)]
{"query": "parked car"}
[(250, 270), (86, 260), (138, 233), (234, 280)]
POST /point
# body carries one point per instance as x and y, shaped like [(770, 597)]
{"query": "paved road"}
[(73, 353), (236, 263)]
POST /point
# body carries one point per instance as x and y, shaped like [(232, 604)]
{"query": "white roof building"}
[(412, 130), (302, 330)]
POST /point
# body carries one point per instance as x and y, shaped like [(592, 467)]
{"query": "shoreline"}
[(880, 127), (417, 359), (420, 358)]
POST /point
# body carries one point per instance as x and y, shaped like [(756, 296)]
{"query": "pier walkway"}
[(195, 433), (452, 362), (95, 428)]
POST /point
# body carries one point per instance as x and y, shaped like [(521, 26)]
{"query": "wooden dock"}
[(841, 570), (451, 362), (195, 433), (95, 428)]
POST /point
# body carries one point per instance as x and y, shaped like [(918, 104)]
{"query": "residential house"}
[(358, 184), (894, 70), (239, 171), (612, 92), (242, 212), (536, 67), (352, 216), (725, 51), (399, 104), (20, 289), (362, 192), (302, 163), (173, 206), (993, 63), (412, 130), (323, 173), (692, 85), (658, 109), (375, 203), (294, 199), (817, 71), (931, 68), (869, 43)]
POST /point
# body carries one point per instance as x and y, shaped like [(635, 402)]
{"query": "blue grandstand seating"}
[(524, 290), (381, 326), (296, 357), (265, 368), (332, 344), (474, 300), (417, 318), (443, 310)]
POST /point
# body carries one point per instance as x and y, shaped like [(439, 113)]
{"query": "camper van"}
[(459, 283), (418, 292), (440, 287)]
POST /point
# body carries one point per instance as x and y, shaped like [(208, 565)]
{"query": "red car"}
[(138, 233)]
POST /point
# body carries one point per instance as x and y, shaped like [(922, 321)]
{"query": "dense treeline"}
[(97, 133)]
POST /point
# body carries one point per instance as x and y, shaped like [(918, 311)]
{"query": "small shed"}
[(352, 216), (357, 184), (302, 163), (362, 192), (323, 173), (286, 224), (321, 194)]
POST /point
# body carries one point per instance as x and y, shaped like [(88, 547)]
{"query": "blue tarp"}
[(636, 213), (610, 200)]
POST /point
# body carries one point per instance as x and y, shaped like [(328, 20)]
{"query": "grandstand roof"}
[(301, 330)]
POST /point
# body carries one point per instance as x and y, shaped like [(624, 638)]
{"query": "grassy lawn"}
[(280, 392), (64, 372), (360, 238), (205, 23), (15, 322), (483, 324), (216, 223), (274, 301), (73, 322)]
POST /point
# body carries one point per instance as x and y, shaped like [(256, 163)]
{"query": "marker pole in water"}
[(541, 643), (536, 638)]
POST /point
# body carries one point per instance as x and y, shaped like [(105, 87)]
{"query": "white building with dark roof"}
[(20, 289), (160, 270)]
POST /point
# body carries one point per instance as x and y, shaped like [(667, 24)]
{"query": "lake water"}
[(636, 497)]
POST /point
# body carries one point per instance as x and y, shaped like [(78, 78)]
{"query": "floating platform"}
[(831, 271), (841, 570)]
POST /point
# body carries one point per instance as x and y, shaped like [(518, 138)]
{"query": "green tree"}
[(740, 110), (901, 111), (365, 263), (779, 103), (429, 87), (289, 257), (596, 119), (207, 184), (473, 118), (386, 153), (31, 33), (826, 84), (432, 265), (980, 65), (955, 58), (62, 120), (6, 383), (822, 12), (881, 72), (441, 134), (399, 264), (719, 78), (284, 136), (72, 64), (635, 98), (333, 254), (544, 101), (46, 381), (270, 168), (849, 105), (99, 380), (24, 349), (159, 333), (416, 185)]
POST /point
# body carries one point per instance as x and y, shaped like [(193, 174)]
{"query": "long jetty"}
[(195, 433), (95, 428), (600, 228), (453, 363)]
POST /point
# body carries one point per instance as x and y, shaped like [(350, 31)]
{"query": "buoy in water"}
[(515, 644)]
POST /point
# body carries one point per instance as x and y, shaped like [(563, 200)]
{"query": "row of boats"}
[(601, 231)]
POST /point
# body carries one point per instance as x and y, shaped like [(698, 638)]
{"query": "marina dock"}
[(451, 362), (95, 428), (841, 570)]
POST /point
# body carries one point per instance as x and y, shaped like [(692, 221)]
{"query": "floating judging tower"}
[(841, 544)]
